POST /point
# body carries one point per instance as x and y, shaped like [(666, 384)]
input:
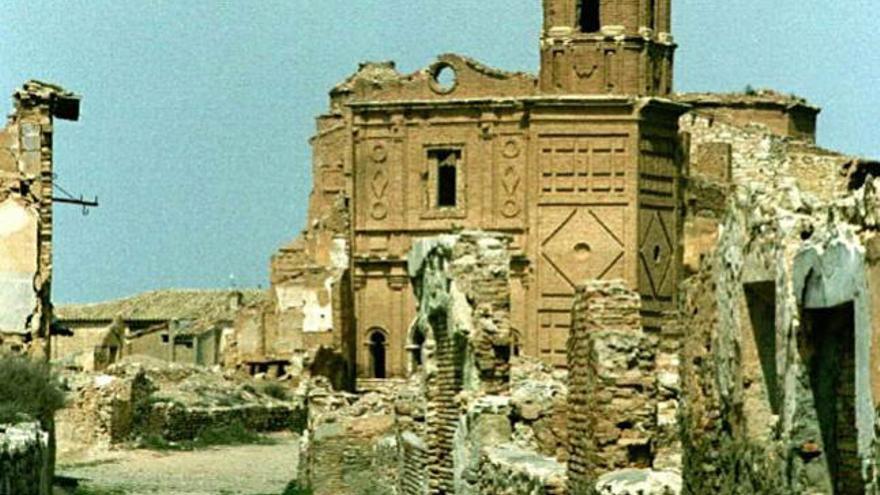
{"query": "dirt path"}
[(237, 470)]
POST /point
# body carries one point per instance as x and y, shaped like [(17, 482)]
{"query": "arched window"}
[(588, 16), (377, 343)]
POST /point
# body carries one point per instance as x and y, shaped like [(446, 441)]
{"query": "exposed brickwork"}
[(26, 181), (612, 392)]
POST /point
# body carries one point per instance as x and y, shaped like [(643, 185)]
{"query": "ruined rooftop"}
[(174, 304)]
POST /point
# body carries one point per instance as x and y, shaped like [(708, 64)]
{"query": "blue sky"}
[(196, 114)]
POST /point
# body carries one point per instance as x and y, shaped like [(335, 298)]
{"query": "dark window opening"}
[(761, 301), (446, 182), (418, 343), (446, 163), (377, 354), (830, 351), (652, 15), (165, 339), (588, 16)]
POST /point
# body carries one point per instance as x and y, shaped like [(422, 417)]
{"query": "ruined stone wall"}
[(461, 283), (350, 446), (24, 451), (176, 422), (782, 114), (753, 154), (506, 469), (308, 317), (778, 373), (410, 428), (100, 411), (612, 385), (723, 153), (26, 216)]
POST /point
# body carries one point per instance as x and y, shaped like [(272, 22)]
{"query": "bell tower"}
[(607, 47)]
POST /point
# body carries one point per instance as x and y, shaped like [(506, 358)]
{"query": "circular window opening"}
[(445, 78), (582, 250)]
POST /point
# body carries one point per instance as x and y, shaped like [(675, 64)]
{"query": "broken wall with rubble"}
[(349, 446), (306, 322), (725, 148), (143, 398), (779, 366), (611, 385), (26, 215)]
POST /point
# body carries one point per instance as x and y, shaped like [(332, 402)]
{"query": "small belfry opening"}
[(589, 16), (829, 349), (377, 343)]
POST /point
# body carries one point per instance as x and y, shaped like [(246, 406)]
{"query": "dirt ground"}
[(233, 470)]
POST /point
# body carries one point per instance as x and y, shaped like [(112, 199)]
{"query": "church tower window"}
[(588, 16)]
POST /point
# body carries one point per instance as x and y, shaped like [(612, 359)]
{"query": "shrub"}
[(221, 434), (231, 434), (28, 388), (276, 391), (294, 488), (89, 490)]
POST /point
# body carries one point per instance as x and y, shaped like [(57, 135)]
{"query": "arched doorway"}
[(377, 343)]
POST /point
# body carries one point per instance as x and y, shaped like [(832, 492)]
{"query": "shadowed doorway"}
[(831, 356), (377, 344)]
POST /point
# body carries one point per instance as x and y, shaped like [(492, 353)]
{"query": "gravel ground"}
[(234, 470)]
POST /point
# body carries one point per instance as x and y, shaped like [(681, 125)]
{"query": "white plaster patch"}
[(14, 217), (317, 317), (18, 265), (339, 254)]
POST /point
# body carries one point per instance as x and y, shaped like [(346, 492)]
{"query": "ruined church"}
[(585, 166), (580, 165)]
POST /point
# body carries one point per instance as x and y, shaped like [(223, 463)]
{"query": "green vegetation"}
[(93, 490), (276, 391), (28, 389), (294, 488), (232, 434)]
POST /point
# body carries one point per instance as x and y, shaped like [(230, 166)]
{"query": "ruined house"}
[(26, 179), (181, 326)]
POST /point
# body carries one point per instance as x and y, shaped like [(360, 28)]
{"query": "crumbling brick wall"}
[(308, 318), (612, 391), (410, 406), (350, 446), (779, 384), (461, 283), (26, 178)]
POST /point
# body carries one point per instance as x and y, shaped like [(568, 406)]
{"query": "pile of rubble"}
[(174, 402)]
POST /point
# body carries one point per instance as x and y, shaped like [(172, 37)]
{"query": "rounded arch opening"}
[(377, 344)]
